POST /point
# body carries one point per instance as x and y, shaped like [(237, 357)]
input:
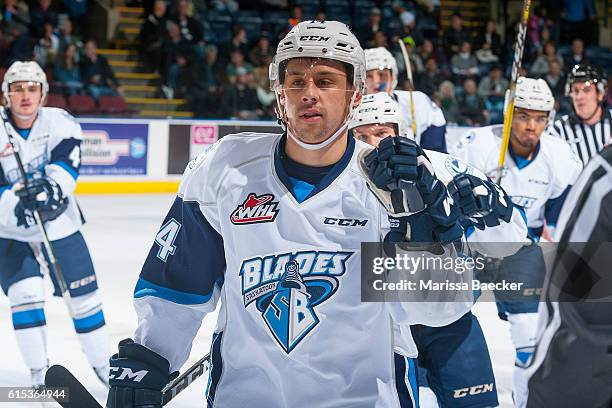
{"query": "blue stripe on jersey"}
[(552, 209), (535, 233), (216, 367), (412, 377), (329, 177), (29, 318), (68, 168), (522, 162), (3, 189), (145, 288), (404, 392), (24, 133), (521, 211), (300, 189), (89, 323), (434, 138), (194, 261), (64, 152)]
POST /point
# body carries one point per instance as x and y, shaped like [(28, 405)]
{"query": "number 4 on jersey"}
[(165, 239)]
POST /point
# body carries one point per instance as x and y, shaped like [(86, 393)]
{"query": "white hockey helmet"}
[(25, 71), (378, 109), (318, 39), (380, 58), (533, 94)]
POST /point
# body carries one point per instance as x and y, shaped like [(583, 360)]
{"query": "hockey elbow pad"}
[(137, 377)]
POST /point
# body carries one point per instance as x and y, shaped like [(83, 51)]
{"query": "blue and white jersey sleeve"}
[(183, 274), (64, 151), (430, 121)]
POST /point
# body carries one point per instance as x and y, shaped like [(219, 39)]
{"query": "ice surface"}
[(119, 232)]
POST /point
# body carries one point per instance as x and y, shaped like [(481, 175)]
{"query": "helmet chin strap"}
[(317, 146)]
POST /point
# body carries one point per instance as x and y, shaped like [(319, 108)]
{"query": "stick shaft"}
[(409, 73), (516, 65)]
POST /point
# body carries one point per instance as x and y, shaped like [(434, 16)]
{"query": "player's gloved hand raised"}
[(42, 194), (401, 175), (482, 202), (137, 377)]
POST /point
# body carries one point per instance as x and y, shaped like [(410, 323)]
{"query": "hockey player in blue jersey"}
[(382, 76), (447, 353), (49, 142), (251, 211), (539, 172)]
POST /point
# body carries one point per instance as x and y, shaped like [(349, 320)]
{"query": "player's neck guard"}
[(317, 146)]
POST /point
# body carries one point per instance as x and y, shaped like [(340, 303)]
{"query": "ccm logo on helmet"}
[(314, 38), (474, 390)]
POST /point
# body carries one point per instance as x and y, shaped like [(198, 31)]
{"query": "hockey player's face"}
[(25, 97), (379, 80), (527, 127), (585, 98), (316, 96), (373, 134)]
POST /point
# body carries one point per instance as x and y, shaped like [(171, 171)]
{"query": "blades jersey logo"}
[(286, 288), (255, 209)]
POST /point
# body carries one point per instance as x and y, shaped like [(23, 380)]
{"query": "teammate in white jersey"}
[(48, 142), (447, 353), (272, 225), (539, 171), (382, 76)]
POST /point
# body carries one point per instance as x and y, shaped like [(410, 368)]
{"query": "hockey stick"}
[(409, 73), (58, 376), (516, 65), (55, 266)]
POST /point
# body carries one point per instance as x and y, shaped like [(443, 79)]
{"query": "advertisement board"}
[(112, 149)]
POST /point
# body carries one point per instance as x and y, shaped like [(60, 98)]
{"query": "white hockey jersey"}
[(51, 148), (430, 121), (292, 329), (539, 185)]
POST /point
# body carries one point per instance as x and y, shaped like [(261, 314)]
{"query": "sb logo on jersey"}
[(255, 209), (286, 288)]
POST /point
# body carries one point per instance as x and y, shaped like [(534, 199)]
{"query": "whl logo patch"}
[(7, 151), (255, 209)]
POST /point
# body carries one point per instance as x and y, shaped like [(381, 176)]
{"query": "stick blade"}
[(58, 376)]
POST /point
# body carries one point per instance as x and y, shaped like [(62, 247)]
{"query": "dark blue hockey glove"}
[(400, 166), (42, 194), (137, 377), (481, 202)]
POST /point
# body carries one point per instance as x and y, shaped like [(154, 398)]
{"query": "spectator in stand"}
[(492, 89), (261, 55), (14, 12), (238, 42), (448, 102), (493, 85), (47, 48), (555, 79), (97, 74), (456, 35), (67, 38), (429, 81), (211, 72), (190, 28), (41, 15), (577, 57), (367, 31), (67, 73), (321, 16), (489, 44), (380, 40), (541, 66), (463, 64), (152, 36), (577, 17), (207, 90), (407, 30), (237, 61), (297, 14), (472, 107), (266, 97), (21, 46), (240, 99), (427, 50), (176, 51)]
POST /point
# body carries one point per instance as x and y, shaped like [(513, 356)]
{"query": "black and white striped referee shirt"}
[(586, 140)]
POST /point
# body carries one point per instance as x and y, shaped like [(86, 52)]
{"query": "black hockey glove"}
[(137, 377), (401, 176), (42, 194), (481, 202)]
